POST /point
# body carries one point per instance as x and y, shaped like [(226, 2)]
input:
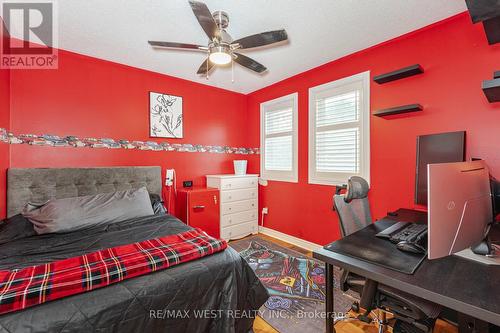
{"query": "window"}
[(278, 139), (339, 130)]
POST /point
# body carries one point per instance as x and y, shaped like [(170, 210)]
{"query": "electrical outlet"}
[(265, 210), (169, 179)]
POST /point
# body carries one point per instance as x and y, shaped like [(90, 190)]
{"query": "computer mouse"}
[(410, 247)]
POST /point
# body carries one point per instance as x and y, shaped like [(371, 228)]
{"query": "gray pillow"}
[(70, 214), (14, 228)]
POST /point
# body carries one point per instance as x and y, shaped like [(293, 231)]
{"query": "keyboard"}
[(410, 233), (404, 231)]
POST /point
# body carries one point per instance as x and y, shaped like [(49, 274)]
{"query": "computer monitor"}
[(495, 192), (459, 206), (436, 148)]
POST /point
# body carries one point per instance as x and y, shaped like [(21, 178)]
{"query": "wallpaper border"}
[(107, 143)]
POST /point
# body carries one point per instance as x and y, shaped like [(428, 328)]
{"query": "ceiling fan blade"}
[(203, 68), (205, 18), (177, 45), (249, 63), (262, 39)]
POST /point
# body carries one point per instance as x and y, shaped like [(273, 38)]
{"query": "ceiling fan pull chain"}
[(232, 70), (207, 64)]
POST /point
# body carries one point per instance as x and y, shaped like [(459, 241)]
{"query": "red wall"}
[(88, 97), (4, 123), (456, 58)]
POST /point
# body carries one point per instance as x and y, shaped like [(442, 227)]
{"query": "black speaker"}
[(482, 10)]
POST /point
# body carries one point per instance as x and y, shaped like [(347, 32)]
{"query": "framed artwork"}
[(165, 116)]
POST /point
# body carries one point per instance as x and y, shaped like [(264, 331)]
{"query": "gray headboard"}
[(41, 184)]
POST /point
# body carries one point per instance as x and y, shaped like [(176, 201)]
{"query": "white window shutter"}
[(338, 109), (338, 151), (278, 153), (339, 130), (279, 139), (279, 121)]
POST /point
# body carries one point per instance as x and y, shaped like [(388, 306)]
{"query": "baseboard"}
[(310, 246)]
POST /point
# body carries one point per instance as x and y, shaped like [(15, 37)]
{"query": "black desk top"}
[(465, 286)]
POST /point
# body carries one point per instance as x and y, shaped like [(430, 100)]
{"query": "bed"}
[(170, 300)]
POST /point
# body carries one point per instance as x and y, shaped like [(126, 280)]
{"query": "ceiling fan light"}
[(220, 58), (220, 55)]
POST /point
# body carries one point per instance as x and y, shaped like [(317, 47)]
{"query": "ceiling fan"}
[(222, 49)]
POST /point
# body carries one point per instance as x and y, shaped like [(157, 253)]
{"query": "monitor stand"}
[(493, 260)]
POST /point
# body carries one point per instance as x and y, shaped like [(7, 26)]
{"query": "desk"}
[(468, 287)]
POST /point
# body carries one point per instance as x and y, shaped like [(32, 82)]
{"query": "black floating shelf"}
[(492, 30), (398, 110), (399, 74), (496, 75), (491, 89)]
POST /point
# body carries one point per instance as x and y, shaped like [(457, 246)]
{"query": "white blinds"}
[(337, 109), (278, 143), (279, 139), (279, 121), (339, 130), (278, 152), (337, 150)]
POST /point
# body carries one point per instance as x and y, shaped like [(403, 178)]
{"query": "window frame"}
[(275, 105), (334, 178)]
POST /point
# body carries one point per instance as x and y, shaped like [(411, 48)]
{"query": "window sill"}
[(275, 179), (326, 182)]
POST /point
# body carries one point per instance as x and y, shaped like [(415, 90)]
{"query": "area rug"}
[(296, 285)]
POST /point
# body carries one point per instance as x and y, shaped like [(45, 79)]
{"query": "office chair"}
[(412, 314)]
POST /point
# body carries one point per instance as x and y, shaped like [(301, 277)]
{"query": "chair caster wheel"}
[(355, 307)]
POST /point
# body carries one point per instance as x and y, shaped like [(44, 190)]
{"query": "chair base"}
[(376, 318), (401, 326), (385, 321)]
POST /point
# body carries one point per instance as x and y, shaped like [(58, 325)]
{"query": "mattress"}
[(218, 293)]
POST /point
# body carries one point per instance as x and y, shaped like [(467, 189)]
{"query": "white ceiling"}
[(319, 31)]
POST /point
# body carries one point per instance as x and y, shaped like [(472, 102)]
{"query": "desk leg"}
[(329, 299)]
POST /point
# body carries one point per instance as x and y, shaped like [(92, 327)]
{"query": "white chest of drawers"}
[(238, 204)]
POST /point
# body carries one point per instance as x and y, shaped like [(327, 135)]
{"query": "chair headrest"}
[(357, 188)]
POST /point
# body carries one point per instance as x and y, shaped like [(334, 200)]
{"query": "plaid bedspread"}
[(35, 285)]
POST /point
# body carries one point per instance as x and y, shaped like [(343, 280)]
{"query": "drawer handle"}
[(199, 207), (253, 194), (230, 197), (229, 208), (253, 205)]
